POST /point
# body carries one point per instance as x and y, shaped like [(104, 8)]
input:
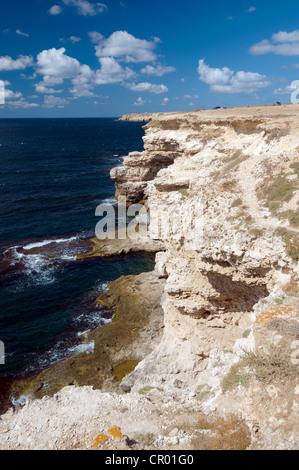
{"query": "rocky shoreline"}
[(205, 345), (134, 332)]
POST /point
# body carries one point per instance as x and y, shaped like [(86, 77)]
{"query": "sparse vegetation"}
[(292, 288), (233, 161), (249, 220), (257, 232), (145, 439), (145, 390), (295, 167), (237, 202), (203, 392), (236, 377), (246, 333), (278, 192), (226, 433), (274, 365), (229, 185), (291, 240), (281, 190), (184, 192), (233, 165), (292, 216), (277, 134), (232, 155), (265, 367)]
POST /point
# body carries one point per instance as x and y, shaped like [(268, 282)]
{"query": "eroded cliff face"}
[(219, 361), (240, 169)]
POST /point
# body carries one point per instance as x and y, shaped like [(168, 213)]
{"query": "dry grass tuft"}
[(292, 288), (145, 390), (278, 192), (226, 433), (229, 185), (291, 239), (237, 202), (295, 167), (236, 376), (146, 439), (265, 367)]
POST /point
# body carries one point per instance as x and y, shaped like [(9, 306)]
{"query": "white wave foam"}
[(104, 286), (36, 265), (87, 348), (20, 401), (39, 265), (48, 242), (68, 257), (109, 200), (82, 333), (91, 321)]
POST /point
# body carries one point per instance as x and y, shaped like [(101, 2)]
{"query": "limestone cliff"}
[(236, 287), (221, 190)]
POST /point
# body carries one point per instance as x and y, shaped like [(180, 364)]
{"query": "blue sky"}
[(84, 58)]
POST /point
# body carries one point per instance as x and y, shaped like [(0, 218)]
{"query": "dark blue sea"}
[(54, 173)]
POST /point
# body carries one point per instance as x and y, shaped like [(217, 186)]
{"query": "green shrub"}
[(237, 202), (295, 167)]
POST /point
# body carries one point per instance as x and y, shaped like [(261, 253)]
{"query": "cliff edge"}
[(221, 191)]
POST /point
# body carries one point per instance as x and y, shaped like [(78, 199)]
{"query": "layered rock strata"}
[(238, 170), (221, 191)]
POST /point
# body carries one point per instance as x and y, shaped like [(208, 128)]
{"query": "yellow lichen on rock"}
[(116, 433), (99, 440), (274, 311)]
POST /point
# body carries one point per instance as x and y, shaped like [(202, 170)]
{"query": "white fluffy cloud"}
[(251, 9), (149, 87), (281, 43), (83, 83), (288, 90), (10, 95), (21, 103), (112, 72), (124, 46), (51, 101), (158, 70), (16, 99), (86, 8), (42, 87), (165, 101), (55, 10), (140, 102), (227, 81), (21, 63), (55, 65), (95, 37)]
